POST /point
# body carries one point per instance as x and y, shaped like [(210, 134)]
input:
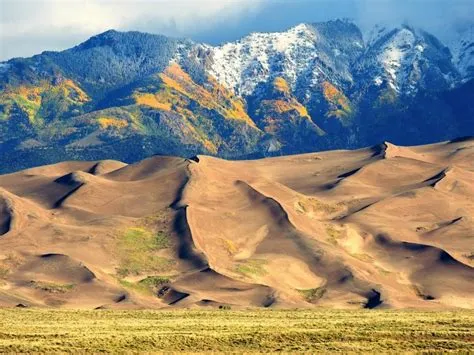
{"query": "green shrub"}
[(137, 249), (313, 294)]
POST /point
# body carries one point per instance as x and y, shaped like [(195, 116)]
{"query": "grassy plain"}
[(34, 330)]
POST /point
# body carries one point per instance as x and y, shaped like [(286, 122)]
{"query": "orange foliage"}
[(214, 97), (111, 122), (281, 84), (176, 72), (230, 106), (282, 106), (30, 93), (335, 97), (330, 91), (178, 91), (271, 125), (81, 96), (151, 100), (175, 78)]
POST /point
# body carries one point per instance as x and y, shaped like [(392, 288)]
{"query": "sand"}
[(381, 227)]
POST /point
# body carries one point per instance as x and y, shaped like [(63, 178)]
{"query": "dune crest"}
[(385, 226)]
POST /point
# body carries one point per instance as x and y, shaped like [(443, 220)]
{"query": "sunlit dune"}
[(381, 227)]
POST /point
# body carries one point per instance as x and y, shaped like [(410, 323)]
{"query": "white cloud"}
[(28, 25), (436, 16)]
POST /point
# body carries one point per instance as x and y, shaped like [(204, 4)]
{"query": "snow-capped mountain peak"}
[(406, 59), (462, 48), (309, 53), (315, 86), (242, 65)]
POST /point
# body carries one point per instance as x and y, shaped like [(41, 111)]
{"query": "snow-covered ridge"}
[(304, 55), (399, 57), (462, 48), (242, 65), (407, 59), (404, 59)]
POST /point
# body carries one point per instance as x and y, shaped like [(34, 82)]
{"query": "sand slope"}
[(385, 226)]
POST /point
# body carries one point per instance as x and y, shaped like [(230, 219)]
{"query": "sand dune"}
[(384, 226)]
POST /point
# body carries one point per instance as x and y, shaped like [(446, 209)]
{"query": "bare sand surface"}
[(385, 226)]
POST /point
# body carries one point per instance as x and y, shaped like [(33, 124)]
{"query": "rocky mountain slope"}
[(385, 226), (315, 86), (462, 47)]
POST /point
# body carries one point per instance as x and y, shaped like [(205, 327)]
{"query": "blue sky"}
[(31, 26)]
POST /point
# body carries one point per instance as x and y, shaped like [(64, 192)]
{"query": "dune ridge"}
[(381, 227)]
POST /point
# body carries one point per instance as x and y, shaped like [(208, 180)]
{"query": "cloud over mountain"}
[(30, 26)]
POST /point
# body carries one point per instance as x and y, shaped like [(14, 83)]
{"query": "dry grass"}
[(312, 206), (333, 234), (46, 331)]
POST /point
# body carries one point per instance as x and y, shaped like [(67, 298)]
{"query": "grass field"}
[(29, 330)]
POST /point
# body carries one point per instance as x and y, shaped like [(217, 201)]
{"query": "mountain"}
[(385, 226), (316, 86), (463, 50)]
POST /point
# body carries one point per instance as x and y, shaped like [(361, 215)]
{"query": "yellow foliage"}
[(176, 79), (30, 98), (281, 84), (171, 97), (152, 101), (330, 91), (135, 119), (302, 110), (111, 122), (337, 113), (80, 95), (237, 111), (178, 92), (27, 98), (210, 146), (283, 106), (175, 71), (32, 93), (337, 98), (184, 111), (214, 97)]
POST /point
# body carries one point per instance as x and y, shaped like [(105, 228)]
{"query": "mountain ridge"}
[(313, 87)]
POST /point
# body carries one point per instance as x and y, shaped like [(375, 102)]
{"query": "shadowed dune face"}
[(385, 226), (5, 215)]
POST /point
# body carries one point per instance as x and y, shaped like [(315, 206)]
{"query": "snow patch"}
[(242, 65), (399, 58), (419, 48)]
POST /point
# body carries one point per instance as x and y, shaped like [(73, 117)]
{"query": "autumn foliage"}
[(111, 122), (31, 99), (339, 104)]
